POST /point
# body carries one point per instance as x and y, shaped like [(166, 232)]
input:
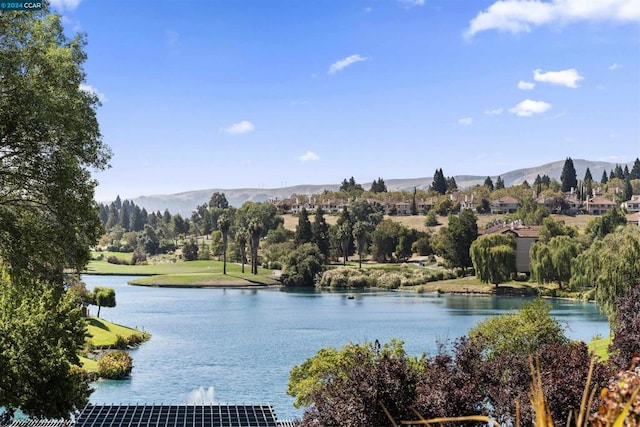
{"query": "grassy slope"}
[(599, 346), (104, 334)]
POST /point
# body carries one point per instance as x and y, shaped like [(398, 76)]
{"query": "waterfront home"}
[(525, 237)]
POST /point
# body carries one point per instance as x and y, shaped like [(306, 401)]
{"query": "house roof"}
[(601, 201), (521, 231), (506, 200), (633, 217)]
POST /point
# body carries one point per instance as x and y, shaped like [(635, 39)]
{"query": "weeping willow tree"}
[(611, 265), (494, 257), (551, 262)]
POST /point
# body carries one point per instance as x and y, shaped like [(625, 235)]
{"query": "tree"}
[(611, 265), (524, 331), (568, 177), (551, 228), (607, 223), (344, 235), (458, 236), (378, 186), (255, 231), (587, 175), (103, 297), (303, 265), (218, 200), (626, 328), (304, 233), (190, 250), (488, 183), (439, 184), (149, 241), (451, 184), (635, 170), (224, 223), (499, 183), (432, 219), (551, 262), (604, 178), (38, 372), (361, 232), (49, 143), (494, 257), (628, 189), (384, 239), (242, 236), (321, 236)]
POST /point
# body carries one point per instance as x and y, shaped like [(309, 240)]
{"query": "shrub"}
[(137, 258), (626, 328), (121, 343), (115, 365)]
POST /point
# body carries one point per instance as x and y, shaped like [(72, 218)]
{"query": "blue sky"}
[(266, 93)]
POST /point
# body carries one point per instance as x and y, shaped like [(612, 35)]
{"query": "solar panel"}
[(176, 416)]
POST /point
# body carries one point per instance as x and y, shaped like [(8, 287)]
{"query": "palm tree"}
[(344, 235), (223, 225), (242, 236), (255, 230)]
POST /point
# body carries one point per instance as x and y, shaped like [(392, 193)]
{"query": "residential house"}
[(505, 204), (632, 205), (525, 237), (599, 205)]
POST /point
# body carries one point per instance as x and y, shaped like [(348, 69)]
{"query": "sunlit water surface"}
[(238, 346)]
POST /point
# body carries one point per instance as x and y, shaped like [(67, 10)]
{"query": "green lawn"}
[(90, 365), (180, 267), (599, 347), (104, 334)]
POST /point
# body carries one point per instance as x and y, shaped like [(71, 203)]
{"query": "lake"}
[(238, 345)]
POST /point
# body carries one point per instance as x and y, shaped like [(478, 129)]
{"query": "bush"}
[(115, 260), (134, 340), (626, 328), (138, 258), (115, 365), (121, 343)]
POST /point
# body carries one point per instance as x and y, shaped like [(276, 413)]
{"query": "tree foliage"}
[(494, 257), (551, 262), (568, 177), (626, 328), (41, 333), (378, 186), (321, 235), (304, 264), (457, 239), (524, 331), (439, 184), (103, 297), (304, 232)]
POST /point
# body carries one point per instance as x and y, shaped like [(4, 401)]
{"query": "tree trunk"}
[(98, 315)]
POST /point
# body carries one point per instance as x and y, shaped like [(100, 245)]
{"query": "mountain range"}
[(184, 203)]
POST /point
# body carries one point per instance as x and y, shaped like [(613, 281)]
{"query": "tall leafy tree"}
[(568, 177), (218, 200), (361, 234), (242, 237), (304, 232), (488, 183), (50, 141), (439, 184), (635, 170), (458, 236), (494, 257), (551, 262), (321, 235), (103, 297), (224, 223)]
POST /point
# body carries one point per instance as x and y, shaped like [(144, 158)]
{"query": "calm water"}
[(237, 346)]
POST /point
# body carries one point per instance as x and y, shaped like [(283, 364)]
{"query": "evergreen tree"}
[(414, 206), (568, 177), (378, 186), (304, 233), (604, 178), (123, 217), (439, 184), (635, 170), (612, 174), (321, 236), (625, 172), (112, 218), (488, 183), (525, 184), (499, 183), (218, 200), (628, 189), (587, 175), (618, 172), (451, 184)]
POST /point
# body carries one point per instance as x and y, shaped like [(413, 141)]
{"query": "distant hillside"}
[(185, 203)]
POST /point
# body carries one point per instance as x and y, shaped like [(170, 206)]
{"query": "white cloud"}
[(495, 112), (343, 63), (528, 108), (308, 157), (522, 85), (568, 78), (411, 3), (517, 16), (615, 66), (65, 4), (239, 128), (93, 91), (465, 121)]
